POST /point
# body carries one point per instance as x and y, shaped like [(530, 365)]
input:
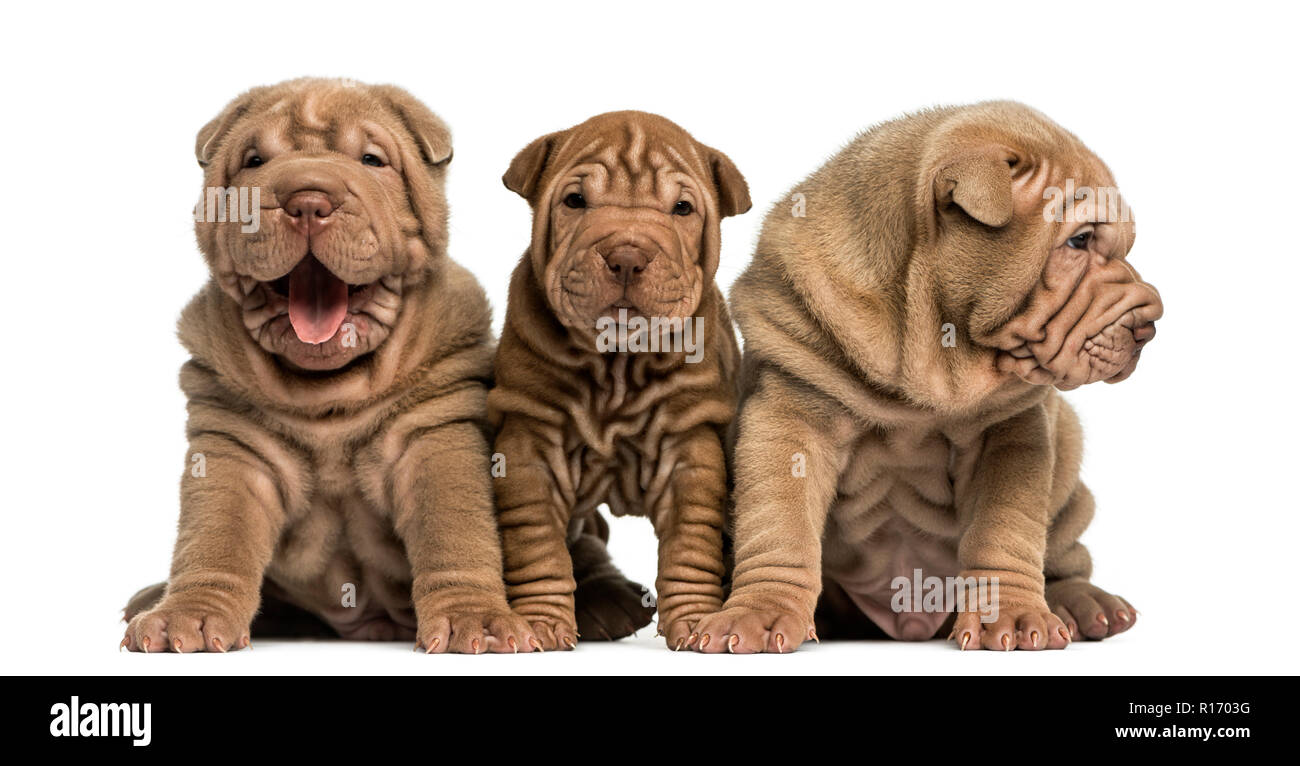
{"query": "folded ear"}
[(210, 135), (526, 168), (430, 133), (733, 192), (978, 182)]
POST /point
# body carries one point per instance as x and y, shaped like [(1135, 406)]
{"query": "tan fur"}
[(956, 460), (640, 431), (335, 465)]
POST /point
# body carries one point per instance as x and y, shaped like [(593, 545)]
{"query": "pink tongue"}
[(318, 301)]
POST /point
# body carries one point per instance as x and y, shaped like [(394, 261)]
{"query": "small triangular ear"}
[(733, 192), (211, 134), (526, 168), (978, 182), (430, 133)]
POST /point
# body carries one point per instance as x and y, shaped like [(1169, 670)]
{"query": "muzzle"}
[(1080, 326)]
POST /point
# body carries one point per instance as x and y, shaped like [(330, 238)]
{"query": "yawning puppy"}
[(615, 375), (338, 462), (907, 321)]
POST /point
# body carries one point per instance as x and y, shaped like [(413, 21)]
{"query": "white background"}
[(1192, 460)]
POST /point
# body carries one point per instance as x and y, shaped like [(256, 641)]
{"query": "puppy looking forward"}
[(593, 407), (904, 340), (338, 462)]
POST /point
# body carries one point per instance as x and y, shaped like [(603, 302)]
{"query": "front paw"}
[(1029, 627), (187, 624), (474, 632), (741, 630)]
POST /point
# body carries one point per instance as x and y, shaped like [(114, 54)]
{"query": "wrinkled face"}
[(1089, 315), (1061, 305), (626, 232), (349, 214), (626, 211)]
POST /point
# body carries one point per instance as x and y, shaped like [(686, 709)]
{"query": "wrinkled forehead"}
[(318, 119), (1082, 191), (1076, 184), (630, 161)]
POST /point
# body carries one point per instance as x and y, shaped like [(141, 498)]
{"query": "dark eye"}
[(1079, 241), (254, 161), (683, 208), (372, 161), (575, 201)]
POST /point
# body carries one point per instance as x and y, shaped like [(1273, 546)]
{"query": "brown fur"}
[(313, 466), (957, 460), (640, 431)]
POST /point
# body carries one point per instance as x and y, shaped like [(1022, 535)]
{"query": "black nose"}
[(627, 263)]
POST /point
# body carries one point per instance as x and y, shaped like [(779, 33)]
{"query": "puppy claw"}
[(965, 639), (433, 645), (1006, 642), (537, 645), (780, 644), (812, 633), (514, 645), (731, 644), (569, 643), (145, 643), (125, 643)]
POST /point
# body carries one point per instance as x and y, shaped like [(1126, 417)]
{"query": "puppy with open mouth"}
[(907, 328), (338, 468), (625, 244)]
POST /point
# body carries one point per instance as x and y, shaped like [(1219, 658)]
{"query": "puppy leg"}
[(787, 462), (608, 605), (1005, 539), (230, 520), (688, 521), (1088, 611), (443, 503), (533, 512)]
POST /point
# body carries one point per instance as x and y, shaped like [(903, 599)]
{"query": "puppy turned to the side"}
[(906, 331)]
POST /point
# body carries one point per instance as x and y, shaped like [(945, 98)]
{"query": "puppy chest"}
[(906, 473), (340, 546), (631, 473)]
